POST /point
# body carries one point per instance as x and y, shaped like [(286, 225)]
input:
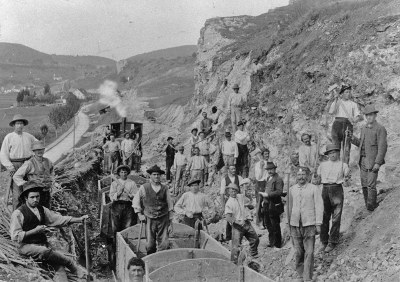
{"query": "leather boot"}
[(365, 194), (58, 259)]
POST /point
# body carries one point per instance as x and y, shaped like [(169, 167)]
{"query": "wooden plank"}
[(163, 258), (196, 270)]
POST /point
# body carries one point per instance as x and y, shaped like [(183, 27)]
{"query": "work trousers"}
[(123, 215), (368, 184), (235, 116), (197, 174), (191, 221), (247, 231), (332, 197), (338, 135), (16, 190), (242, 160), (272, 222), (178, 185), (303, 243), (169, 162), (207, 157), (107, 162), (157, 233), (136, 163), (129, 161), (259, 187)]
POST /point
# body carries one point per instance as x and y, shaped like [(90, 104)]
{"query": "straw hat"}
[(18, 117), (38, 145)]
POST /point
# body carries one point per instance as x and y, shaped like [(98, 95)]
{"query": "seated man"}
[(28, 227), (136, 269), (239, 217), (192, 204), (39, 169)]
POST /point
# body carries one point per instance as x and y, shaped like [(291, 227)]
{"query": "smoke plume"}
[(109, 96)]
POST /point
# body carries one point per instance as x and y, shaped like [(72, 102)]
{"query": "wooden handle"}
[(87, 250)]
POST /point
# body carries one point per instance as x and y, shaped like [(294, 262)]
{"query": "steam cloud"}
[(109, 96)]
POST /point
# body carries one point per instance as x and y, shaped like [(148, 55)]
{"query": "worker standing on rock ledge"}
[(305, 219), (179, 168), (241, 139), (332, 174), (373, 146), (153, 204), (170, 156), (197, 167), (235, 101), (229, 151), (308, 153), (15, 150), (206, 124)]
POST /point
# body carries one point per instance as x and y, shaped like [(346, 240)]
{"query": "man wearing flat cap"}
[(179, 167), (192, 204), (153, 204), (373, 147), (15, 150), (37, 168), (28, 228)]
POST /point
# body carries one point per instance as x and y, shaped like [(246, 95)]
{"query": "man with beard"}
[(308, 153)]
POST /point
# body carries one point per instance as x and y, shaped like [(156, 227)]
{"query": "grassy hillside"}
[(169, 53)]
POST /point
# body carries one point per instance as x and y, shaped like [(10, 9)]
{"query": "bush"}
[(62, 114)]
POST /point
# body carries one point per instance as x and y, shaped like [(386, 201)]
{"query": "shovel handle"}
[(140, 236), (86, 249)]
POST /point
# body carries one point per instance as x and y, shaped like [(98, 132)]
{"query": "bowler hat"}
[(38, 145), (331, 147), (29, 186), (18, 117), (194, 181), (233, 185), (235, 86), (155, 168), (370, 109), (127, 168), (270, 165)]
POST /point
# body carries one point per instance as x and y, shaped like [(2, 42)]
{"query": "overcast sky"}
[(115, 28)]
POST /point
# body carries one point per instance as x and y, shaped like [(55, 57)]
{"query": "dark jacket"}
[(273, 203), (375, 142)]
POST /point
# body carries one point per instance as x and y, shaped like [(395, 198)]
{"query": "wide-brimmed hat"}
[(18, 117), (29, 186), (194, 181), (194, 129), (245, 181), (235, 86), (170, 138), (38, 145), (370, 109), (331, 147), (233, 185), (155, 168), (127, 168), (270, 165)]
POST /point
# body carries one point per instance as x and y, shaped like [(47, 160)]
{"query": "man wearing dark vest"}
[(28, 227), (153, 204), (231, 177), (39, 169)]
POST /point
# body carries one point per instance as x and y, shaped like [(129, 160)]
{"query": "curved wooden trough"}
[(181, 262)]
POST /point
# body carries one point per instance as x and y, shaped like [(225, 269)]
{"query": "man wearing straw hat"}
[(373, 147), (234, 102), (332, 174), (37, 168), (28, 228), (15, 150), (153, 204)]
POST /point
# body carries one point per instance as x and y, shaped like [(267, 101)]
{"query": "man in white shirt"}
[(308, 155), (239, 218), (15, 150), (332, 174), (194, 138), (179, 167), (128, 148), (235, 102), (241, 139), (346, 114), (305, 211), (197, 167), (261, 176), (229, 150), (192, 204)]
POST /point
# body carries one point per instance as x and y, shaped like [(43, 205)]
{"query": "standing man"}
[(332, 174), (235, 101), (194, 138), (229, 150), (204, 147), (272, 206), (169, 161), (198, 167), (308, 153), (238, 218), (192, 204), (153, 204), (261, 175), (128, 147), (206, 124), (305, 219), (346, 114), (15, 150), (28, 228), (112, 148), (39, 169), (241, 139), (373, 146), (179, 167)]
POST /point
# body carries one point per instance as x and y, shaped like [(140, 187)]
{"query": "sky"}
[(115, 29)]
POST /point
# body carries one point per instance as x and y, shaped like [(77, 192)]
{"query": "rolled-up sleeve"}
[(16, 232), (19, 175), (55, 219), (137, 200)]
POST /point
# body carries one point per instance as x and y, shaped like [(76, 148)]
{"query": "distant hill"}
[(169, 53)]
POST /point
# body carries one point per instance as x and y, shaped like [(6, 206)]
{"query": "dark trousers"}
[(368, 184), (332, 196), (247, 231), (303, 243), (259, 187), (191, 221), (272, 222), (157, 232), (228, 231), (242, 160), (123, 215), (169, 162), (338, 135)]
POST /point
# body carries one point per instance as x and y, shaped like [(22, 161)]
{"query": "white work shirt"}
[(340, 108), (242, 137), (128, 146), (308, 155), (191, 202), (223, 183), (197, 163), (179, 160), (236, 99), (333, 172), (16, 146), (261, 173), (235, 206), (230, 148)]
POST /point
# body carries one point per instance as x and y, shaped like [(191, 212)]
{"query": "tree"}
[(47, 89)]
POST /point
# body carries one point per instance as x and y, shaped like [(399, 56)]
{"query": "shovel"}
[(140, 236)]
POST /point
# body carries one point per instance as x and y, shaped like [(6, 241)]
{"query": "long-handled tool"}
[(140, 236), (8, 191), (87, 250)]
